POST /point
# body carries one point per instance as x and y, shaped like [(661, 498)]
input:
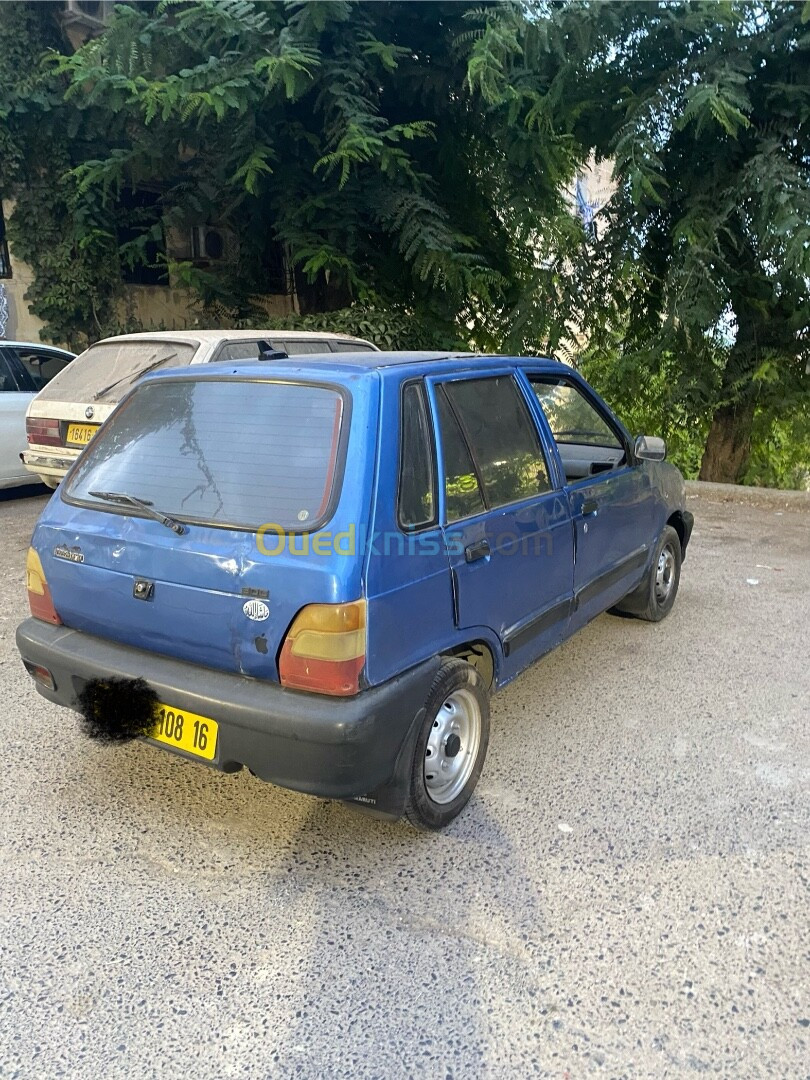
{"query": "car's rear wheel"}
[(654, 598), (451, 746)]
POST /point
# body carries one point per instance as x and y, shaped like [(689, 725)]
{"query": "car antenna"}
[(267, 352)]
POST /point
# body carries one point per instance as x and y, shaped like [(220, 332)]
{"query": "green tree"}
[(699, 279), (364, 137), (70, 242), (707, 253)]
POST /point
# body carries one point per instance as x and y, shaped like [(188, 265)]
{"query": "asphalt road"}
[(626, 895)]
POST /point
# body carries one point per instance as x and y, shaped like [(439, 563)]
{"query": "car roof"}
[(206, 336), (37, 345), (385, 364)]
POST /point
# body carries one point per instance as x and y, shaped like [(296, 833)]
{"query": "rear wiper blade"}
[(141, 504), (134, 375)]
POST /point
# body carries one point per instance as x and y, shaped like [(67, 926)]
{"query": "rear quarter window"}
[(417, 488), (229, 452)]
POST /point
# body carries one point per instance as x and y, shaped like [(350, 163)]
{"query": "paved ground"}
[(627, 894)]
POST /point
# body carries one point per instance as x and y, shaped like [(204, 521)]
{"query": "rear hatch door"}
[(252, 471)]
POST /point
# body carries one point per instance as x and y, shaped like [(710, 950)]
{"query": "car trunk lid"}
[(209, 597), (253, 470)]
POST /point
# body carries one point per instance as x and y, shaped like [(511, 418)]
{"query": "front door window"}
[(587, 443)]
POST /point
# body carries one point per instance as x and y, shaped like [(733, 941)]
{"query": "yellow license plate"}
[(81, 434), (186, 731)]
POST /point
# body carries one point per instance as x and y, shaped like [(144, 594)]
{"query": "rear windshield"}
[(106, 371), (229, 452)]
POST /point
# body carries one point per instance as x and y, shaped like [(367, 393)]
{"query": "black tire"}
[(456, 681), (654, 598)]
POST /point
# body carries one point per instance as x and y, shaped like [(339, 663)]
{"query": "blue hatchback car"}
[(319, 567)]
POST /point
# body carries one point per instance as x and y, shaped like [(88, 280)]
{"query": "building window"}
[(5, 261), (275, 270), (140, 238)]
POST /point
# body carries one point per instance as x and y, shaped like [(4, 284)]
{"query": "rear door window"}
[(39, 365), (502, 437), (305, 347), (351, 346), (462, 490), (249, 350), (243, 350), (230, 452)]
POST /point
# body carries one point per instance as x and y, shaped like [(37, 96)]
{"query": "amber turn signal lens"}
[(39, 595)]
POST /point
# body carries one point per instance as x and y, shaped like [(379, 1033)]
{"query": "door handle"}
[(589, 506), (478, 550)]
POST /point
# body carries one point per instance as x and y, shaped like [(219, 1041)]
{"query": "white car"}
[(63, 419), (25, 368)]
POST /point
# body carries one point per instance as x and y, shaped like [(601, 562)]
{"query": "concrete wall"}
[(161, 308)]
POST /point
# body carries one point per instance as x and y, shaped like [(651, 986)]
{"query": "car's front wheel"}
[(654, 598), (451, 746)]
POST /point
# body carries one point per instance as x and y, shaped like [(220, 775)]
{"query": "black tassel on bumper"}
[(116, 710)]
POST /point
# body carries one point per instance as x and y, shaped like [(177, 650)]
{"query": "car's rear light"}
[(39, 595), (40, 674), (325, 649), (42, 432)]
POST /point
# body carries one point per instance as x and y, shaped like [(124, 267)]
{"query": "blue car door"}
[(611, 500), (507, 523)]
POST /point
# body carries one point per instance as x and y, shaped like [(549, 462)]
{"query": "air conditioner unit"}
[(92, 14), (210, 243)]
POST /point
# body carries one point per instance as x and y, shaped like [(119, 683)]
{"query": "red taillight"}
[(42, 432), (325, 649), (39, 595)]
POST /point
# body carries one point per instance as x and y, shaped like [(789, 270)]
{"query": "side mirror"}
[(650, 448)]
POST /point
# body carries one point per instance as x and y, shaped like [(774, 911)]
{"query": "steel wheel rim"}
[(452, 746), (665, 574)]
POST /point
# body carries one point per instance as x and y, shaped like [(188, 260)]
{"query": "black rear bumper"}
[(343, 748)]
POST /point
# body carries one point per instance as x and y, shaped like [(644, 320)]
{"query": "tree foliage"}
[(699, 284), (68, 240), (708, 251), (412, 162), (361, 137)]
